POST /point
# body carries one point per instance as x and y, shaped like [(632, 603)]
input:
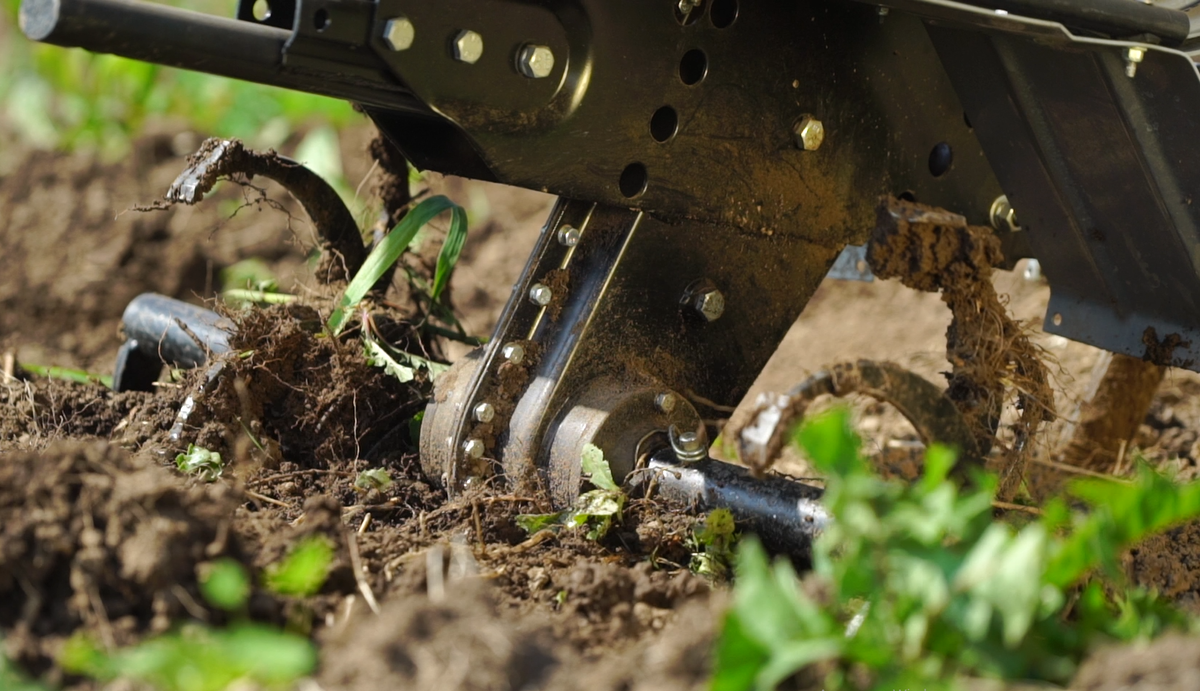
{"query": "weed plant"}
[(921, 586)]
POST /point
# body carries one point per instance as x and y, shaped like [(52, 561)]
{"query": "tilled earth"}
[(100, 533)]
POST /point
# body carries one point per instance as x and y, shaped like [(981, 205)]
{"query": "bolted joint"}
[(474, 449), (484, 412), (398, 33), (688, 446), (710, 304), (514, 353), (468, 47), (535, 62), (540, 294), (569, 236), (1133, 57), (666, 402), (1003, 216), (808, 133)]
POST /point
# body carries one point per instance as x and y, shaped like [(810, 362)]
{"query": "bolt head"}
[(398, 33), (710, 304), (666, 402), (809, 133), (468, 47), (540, 294), (686, 6), (535, 62), (514, 353), (569, 236), (484, 412), (1135, 53), (689, 441), (473, 448)]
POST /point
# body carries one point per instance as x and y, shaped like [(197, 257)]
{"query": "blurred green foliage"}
[(917, 585), (71, 99)]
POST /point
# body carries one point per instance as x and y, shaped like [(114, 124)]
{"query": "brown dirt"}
[(100, 533), (930, 250), (96, 538)]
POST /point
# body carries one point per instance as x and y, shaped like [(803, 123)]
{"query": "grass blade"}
[(386, 253), (451, 249)]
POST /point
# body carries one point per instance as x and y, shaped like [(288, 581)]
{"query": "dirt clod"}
[(94, 537), (933, 250)]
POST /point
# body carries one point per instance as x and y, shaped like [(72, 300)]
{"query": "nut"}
[(514, 353), (809, 133), (710, 304), (398, 33), (569, 236), (473, 448), (540, 294), (535, 62), (468, 47), (665, 402), (484, 412)]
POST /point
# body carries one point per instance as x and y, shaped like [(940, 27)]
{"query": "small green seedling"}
[(597, 509), (373, 478), (712, 543), (303, 571), (201, 462), (198, 658), (224, 584)]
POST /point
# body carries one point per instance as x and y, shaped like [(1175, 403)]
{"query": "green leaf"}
[(535, 522), (224, 584), (373, 478), (387, 252), (303, 572), (68, 374), (597, 469), (452, 246), (379, 357), (401, 365), (738, 657), (201, 462)]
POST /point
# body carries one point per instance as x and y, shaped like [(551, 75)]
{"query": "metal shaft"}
[(785, 514), (196, 41)]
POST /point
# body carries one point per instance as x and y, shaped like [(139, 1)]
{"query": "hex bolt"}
[(473, 448), (540, 294), (710, 303), (468, 47), (569, 236), (688, 446), (808, 133), (483, 412), (398, 33), (686, 6), (514, 353), (665, 402), (535, 62), (1133, 57)]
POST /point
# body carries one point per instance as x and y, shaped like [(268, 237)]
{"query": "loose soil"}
[(99, 533)]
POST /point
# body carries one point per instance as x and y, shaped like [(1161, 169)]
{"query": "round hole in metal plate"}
[(633, 180), (693, 67), (321, 20), (723, 13), (663, 124), (940, 159)]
